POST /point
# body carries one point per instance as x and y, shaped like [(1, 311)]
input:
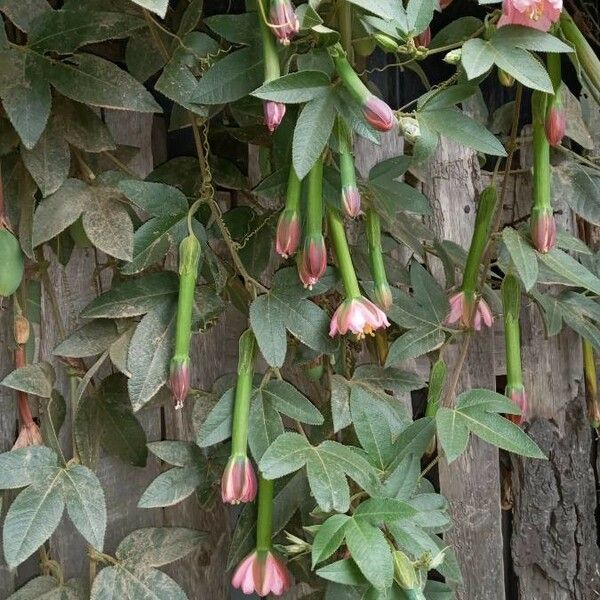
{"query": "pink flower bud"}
[(445, 4), (519, 397), (468, 313), (383, 295), (424, 38), (378, 113), (359, 316), (238, 483), (262, 573), (288, 233), (543, 230), (538, 14), (556, 122), (179, 380), (29, 435), (274, 113), (313, 261), (284, 22), (351, 201)]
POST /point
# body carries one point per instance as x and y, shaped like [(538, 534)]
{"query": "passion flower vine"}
[(238, 483), (179, 379), (262, 572), (467, 308), (511, 307)]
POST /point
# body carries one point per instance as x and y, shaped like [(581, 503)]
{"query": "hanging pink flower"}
[(312, 261), (351, 201), (465, 313), (556, 122), (285, 23), (538, 14), (238, 483), (543, 230), (274, 113), (378, 113), (179, 381), (288, 233), (359, 316), (262, 573)]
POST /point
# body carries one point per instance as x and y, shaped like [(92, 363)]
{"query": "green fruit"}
[(364, 46), (11, 261), (78, 235)]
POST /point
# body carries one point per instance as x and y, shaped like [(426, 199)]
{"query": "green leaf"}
[(158, 546), (156, 6), (20, 468), (86, 504), (383, 510), (240, 29), (580, 189), (312, 131), (329, 538), (327, 481), (566, 266), (267, 322), (25, 95), (481, 399), (157, 199), (294, 88), (452, 431), (371, 552), (524, 67), (386, 9), (93, 80), (217, 426), (171, 487), (23, 12), (264, 425), (522, 255), (230, 78), (415, 343), (36, 379), (415, 439), (64, 31), (477, 57), (150, 353), (133, 297), (286, 399), (32, 517), (287, 454), (343, 571), (454, 124), (59, 210), (419, 14), (340, 403), (177, 453), (90, 340), (428, 293), (529, 39)]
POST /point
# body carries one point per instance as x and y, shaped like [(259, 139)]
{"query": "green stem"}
[(293, 192), (481, 234), (586, 55), (314, 208), (511, 302), (271, 58), (264, 521), (347, 172), (373, 230), (342, 253), (243, 393), (554, 69), (589, 369), (541, 152), (347, 74), (345, 24)]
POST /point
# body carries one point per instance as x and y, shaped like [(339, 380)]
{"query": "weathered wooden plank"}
[(472, 483)]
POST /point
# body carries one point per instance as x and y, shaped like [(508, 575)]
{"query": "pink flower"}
[(378, 113), (469, 312), (284, 22), (383, 295), (29, 435), (556, 122), (519, 397), (543, 230), (424, 38), (539, 14), (238, 483), (351, 201), (262, 573), (313, 261), (358, 315), (274, 113), (179, 380), (288, 233)]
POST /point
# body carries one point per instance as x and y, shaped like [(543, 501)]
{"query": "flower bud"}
[(385, 42), (405, 574), (378, 113), (555, 125), (453, 57), (284, 22), (238, 483), (543, 229), (179, 380), (383, 295), (519, 397), (274, 113), (313, 260), (288, 233), (424, 38), (505, 79), (410, 129), (351, 201)]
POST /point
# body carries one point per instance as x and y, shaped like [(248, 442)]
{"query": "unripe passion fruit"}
[(11, 263)]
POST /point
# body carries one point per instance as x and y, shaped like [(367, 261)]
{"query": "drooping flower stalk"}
[(288, 226), (179, 379), (313, 261), (591, 384), (511, 305), (238, 483), (262, 572), (375, 110), (273, 111), (555, 113), (382, 291), (356, 313), (467, 308), (543, 225), (350, 193)]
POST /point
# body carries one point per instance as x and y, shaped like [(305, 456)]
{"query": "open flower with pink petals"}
[(359, 316), (538, 14), (466, 310), (262, 573), (238, 483)]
